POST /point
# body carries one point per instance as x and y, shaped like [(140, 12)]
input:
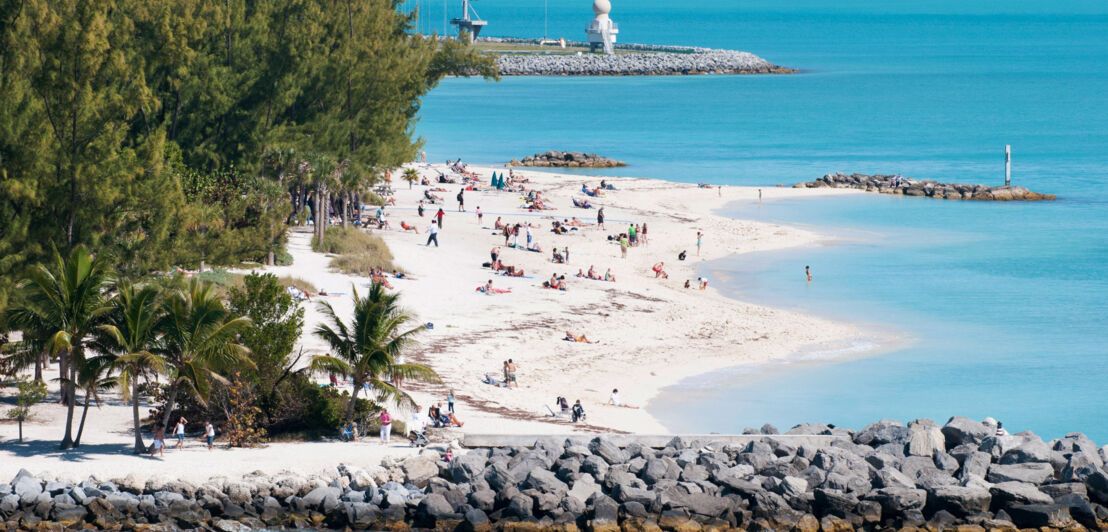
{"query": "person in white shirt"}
[(614, 398), (209, 433), (180, 432), (419, 421), (433, 234)]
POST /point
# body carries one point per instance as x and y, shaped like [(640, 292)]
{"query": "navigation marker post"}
[(1007, 165)]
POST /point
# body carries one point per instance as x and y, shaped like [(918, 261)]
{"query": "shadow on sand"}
[(49, 448)]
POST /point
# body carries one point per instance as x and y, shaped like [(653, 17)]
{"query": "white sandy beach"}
[(650, 333)]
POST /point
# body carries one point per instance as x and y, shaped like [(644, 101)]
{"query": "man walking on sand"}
[(461, 201), (600, 218), (439, 216), (433, 234)]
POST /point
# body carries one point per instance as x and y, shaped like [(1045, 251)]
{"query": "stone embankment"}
[(885, 477), (888, 184), (567, 159), (638, 60)]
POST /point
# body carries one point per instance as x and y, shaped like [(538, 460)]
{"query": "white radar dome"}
[(601, 7)]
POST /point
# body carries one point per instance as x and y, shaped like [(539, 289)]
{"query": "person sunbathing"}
[(608, 276), (512, 271), (489, 379), (576, 223), (447, 418), (406, 227), (659, 272), (379, 278), (579, 339), (557, 257), (580, 273), (592, 273), (498, 224), (401, 275)]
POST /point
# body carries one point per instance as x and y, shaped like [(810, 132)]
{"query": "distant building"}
[(602, 31)]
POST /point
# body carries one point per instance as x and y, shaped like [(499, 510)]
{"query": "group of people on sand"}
[(576, 412), (591, 274), (157, 447), (556, 282)]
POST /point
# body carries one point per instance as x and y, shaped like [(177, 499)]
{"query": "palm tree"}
[(93, 377), (198, 342), (60, 309), (411, 175), (130, 334), (367, 349)]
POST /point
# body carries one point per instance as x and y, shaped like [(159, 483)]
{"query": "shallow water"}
[(1002, 303)]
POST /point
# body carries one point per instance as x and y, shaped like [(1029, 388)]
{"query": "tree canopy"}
[(120, 120)]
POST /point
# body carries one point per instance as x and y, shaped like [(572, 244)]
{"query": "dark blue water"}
[(1002, 303)]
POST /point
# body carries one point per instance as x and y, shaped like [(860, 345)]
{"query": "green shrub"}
[(283, 258), (357, 250)]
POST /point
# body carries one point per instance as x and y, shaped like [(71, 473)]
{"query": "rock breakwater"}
[(891, 184), (637, 60), (567, 159), (887, 476)]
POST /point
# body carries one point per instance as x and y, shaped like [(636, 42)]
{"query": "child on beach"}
[(158, 447), (808, 272)]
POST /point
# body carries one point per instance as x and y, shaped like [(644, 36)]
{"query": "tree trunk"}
[(81, 427), (21, 429), (39, 363), (171, 402), (140, 447), (345, 207), (70, 405), (353, 400)]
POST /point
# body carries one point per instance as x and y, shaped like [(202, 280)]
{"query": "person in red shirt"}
[(439, 215), (386, 426)]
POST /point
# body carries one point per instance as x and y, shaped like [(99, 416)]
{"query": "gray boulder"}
[(1009, 493), (1080, 509), (521, 506), (792, 487), (1040, 515), (595, 466), (1027, 451), (434, 507), (419, 470), (1079, 467), (325, 499), (975, 465), (1034, 473), (484, 500), (834, 501), (891, 478), (960, 501), (545, 481), (499, 477), (959, 430), (468, 467), (896, 501), (610, 452), (925, 438)]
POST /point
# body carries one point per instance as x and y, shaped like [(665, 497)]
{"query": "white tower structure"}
[(602, 31)]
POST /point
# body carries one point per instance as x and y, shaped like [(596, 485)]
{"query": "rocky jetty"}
[(567, 159), (887, 476), (643, 60), (889, 184)]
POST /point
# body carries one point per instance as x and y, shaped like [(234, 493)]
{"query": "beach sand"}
[(649, 332)]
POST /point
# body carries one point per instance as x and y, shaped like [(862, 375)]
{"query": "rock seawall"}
[(567, 159), (888, 184), (645, 61), (887, 476)]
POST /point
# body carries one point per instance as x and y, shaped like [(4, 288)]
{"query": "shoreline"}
[(664, 333)]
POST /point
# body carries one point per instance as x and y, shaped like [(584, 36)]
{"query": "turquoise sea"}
[(1002, 304)]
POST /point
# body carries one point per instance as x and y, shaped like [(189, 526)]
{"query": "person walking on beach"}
[(433, 234), (623, 245), (209, 433), (600, 218), (699, 240), (180, 432), (528, 234), (386, 426), (480, 214), (461, 201), (759, 195), (439, 215), (419, 209), (642, 234), (808, 272), (450, 401)]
